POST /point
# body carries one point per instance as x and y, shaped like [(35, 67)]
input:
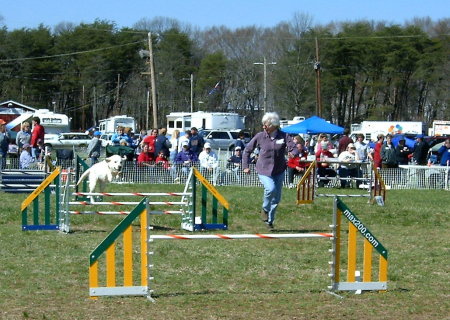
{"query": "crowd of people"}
[(271, 151)]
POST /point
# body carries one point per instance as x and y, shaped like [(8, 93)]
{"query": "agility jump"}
[(58, 205), (104, 256), (307, 186)]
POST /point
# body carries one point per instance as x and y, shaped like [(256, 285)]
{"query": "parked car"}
[(106, 139), (223, 139), (67, 140)]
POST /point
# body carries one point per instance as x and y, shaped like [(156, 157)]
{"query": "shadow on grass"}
[(299, 231), (220, 292)]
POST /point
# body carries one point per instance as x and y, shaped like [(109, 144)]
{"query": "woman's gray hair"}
[(271, 118)]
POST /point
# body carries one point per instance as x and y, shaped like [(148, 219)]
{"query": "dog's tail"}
[(83, 176)]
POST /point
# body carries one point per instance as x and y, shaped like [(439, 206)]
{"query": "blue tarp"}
[(408, 141), (313, 125)]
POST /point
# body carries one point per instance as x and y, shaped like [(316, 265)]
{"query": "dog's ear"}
[(124, 158), (107, 159)]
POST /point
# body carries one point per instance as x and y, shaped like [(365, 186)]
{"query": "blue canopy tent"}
[(408, 141), (313, 125)]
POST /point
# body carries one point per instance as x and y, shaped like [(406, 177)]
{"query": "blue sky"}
[(16, 14)]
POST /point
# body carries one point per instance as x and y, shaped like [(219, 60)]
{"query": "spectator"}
[(162, 143), (402, 152), (184, 138), (347, 168), (323, 167), (388, 154), (323, 138), (209, 163), (344, 141), (240, 141), (145, 158), (185, 158), (138, 142), (161, 160), (311, 143), (420, 152), (128, 136), (362, 148), (119, 135), (25, 159), (37, 137), (150, 140), (375, 156), (295, 164), (271, 165), (196, 141), (4, 144), (94, 147), (235, 161), (23, 136), (444, 153), (174, 145)]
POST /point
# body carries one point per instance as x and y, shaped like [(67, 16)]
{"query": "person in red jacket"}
[(323, 167), (37, 137), (375, 156), (145, 158), (295, 165)]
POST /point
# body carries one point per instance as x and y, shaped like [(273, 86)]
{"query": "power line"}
[(71, 53)]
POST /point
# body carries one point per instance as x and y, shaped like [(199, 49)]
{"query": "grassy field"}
[(44, 275)]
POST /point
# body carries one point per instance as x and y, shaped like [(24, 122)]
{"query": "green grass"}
[(44, 274)]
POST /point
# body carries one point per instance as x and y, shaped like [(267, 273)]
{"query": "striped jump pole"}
[(370, 242), (306, 185), (379, 188), (45, 213)]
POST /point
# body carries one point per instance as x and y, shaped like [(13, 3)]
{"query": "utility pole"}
[(83, 109), (118, 92), (152, 81), (317, 69), (148, 110), (192, 92), (94, 108), (265, 80)]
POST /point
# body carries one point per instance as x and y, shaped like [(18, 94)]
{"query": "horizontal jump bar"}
[(239, 236), (123, 212), (117, 203), (132, 194)]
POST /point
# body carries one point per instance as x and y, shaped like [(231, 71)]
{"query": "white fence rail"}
[(406, 177)]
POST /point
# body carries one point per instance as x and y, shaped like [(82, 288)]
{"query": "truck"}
[(370, 129), (204, 120), (440, 128), (109, 125)]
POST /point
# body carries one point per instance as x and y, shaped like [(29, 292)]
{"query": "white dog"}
[(102, 172)]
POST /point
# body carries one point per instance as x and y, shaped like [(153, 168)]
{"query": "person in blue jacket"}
[(444, 153)]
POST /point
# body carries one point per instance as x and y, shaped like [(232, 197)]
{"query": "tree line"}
[(366, 70)]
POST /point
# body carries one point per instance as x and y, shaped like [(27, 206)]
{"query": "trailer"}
[(204, 120), (440, 128), (370, 129), (109, 125)]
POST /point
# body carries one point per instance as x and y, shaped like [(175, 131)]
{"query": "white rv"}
[(204, 120), (295, 120), (54, 123), (440, 128), (109, 126), (371, 129)]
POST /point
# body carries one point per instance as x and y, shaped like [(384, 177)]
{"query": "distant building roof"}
[(15, 107)]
